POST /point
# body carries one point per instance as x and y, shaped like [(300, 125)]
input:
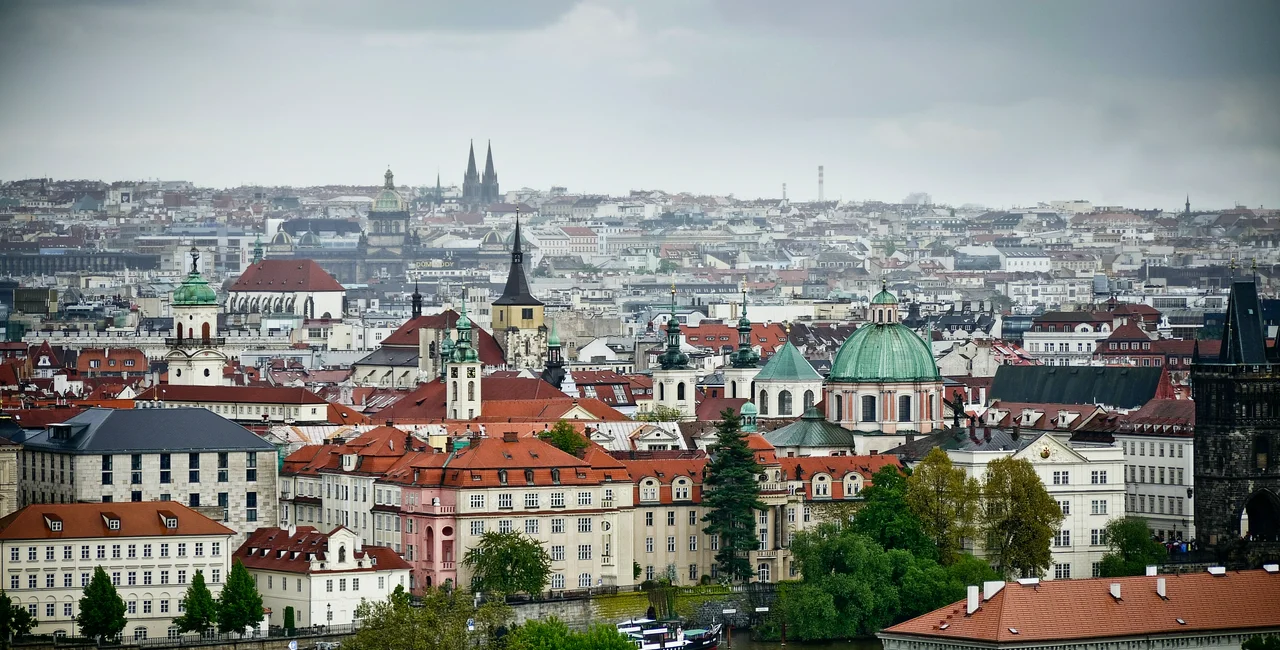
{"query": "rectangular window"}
[(557, 553), (106, 469), (166, 469), (135, 467), (648, 545), (1065, 507), (584, 524), (199, 549), (671, 517), (1098, 477), (1099, 507), (132, 578), (193, 468), (557, 499), (693, 517), (164, 577), (101, 552), (477, 528), (1062, 538), (557, 525), (648, 518), (584, 498), (146, 577), (504, 501), (1062, 571), (146, 550), (1098, 537), (477, 501), (215, 549), (504, 525), (531, 500), (84, 579), (584, 551), (164, 550), (251, 506), (251, 466), (693, 542), (531, 526), (48, 552), (133, 551), (671, 544)]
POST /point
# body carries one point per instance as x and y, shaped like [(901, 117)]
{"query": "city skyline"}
[(997, 103)]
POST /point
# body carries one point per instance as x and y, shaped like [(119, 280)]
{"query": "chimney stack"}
[(1161, 591), (1017, 429), (390, 423), (1151, 570), (990, 588), (986, 434), (971, 605), (1115, 591)]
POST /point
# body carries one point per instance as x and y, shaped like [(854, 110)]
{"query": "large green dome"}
[(194, 291), (884, 353)]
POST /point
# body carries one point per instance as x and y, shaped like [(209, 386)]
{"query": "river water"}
[(742, 641)]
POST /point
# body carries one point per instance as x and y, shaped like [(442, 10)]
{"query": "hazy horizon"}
[(996, 103)]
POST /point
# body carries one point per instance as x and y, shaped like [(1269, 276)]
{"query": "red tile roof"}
[(1064, 610), (112, 360), (85, 520), (769, 337), (286, 275), (407, 336), (274, 549), (709, 408)]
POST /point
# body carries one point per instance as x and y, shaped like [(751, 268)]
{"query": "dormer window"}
[(54, 523), (169, 522), (114, 524)]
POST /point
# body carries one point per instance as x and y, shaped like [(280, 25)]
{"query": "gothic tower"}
[(674, 382), (195, 356), (518, 316), (471, 181), (743, 363), (554, 372), (489, 182), (1237, 400)]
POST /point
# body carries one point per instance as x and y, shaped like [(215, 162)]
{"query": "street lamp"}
[(329, 613)]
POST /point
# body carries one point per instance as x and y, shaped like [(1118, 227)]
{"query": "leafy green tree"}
[(1262, 643), (1018, 518), (732, 497), (562, 436), (1131, 548), (15, 620), (660, 414), (437, 622), (290, 620), (508, 563), (239, 604), (101, 609), (553, 634), (886, 518), (945, 501), (200, 611), (848, 589), (667, 267)]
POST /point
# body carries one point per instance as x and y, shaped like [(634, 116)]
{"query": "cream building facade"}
[(150, 550)]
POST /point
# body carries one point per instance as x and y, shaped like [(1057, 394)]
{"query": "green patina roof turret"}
[(812, 430), (194, 290), (553, 341), (746, 355), (673, 358), (462, 350), (787, 364), (388, 200), (884, 351), (884, 297)]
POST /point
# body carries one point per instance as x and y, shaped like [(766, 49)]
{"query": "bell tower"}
[(674, 382), (518, 323), (744, 362), (195, 356), (463, 384)]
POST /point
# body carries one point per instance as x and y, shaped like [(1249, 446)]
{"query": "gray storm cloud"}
[(1001, 103)]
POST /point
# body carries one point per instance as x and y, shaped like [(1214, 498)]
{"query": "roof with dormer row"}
[(89, 520)]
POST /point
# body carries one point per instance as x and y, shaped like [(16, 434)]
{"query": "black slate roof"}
[(124, 431), (516, 292), (1114, 386), (1243, 339)]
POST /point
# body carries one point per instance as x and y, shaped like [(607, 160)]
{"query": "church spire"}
[(471, 163), (673, 358), (1188, 206), (516, 292), (417, 300), (746, 356), (489, 174)]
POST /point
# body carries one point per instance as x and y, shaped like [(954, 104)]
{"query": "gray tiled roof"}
[(121, 431)]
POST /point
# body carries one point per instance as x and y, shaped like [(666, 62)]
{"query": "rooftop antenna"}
[(820, 193)]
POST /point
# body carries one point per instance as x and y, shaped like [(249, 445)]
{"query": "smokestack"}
[(1160, 589), (820, 194), (971, 605)]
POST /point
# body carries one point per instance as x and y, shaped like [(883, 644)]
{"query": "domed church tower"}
[(195, 356), (884, 378)]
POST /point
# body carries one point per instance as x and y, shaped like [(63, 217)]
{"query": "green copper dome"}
[(748, 409), (388, 200), (884, 298), (884, 353), (195, 290)]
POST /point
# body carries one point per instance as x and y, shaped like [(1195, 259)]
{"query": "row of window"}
[(532, 526), (128, 550), (671, 543), (1156, 504), (131, 607), (506, 500), (671, 518), (584, 581), (130, 578), (1145, 448), (1096, 477), (869, 408), (193, 468), (1096, 507), (1149, 474)]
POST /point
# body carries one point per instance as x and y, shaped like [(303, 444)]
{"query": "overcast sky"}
[(1136, 102)]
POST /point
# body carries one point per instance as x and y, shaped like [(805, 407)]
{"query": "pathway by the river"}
[(742, 641)]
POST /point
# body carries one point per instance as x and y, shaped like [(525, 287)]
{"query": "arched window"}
[(904, 408), (764, 402), (808, 399), (784, 402), (839, 406), (471, 391), (868, 408), (680, 392), (342, 554), (502, 476), (555, 476), (455, 391), (762, 572), (662, 392), (204, 332), (733, 389)]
